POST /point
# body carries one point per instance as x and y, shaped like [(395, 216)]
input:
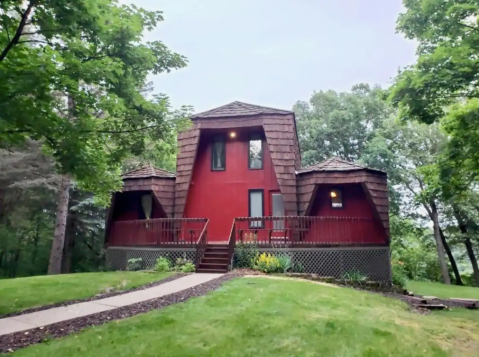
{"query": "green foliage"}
[(134, 264), (297, 267), (413, 251), (74, 80), (188, 268), (284, 261), (245, 254), (162, 264), (399, 274), (355, 276), (339, 124), (267, 263), (442, 86)]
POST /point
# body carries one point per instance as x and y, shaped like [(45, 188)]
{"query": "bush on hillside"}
[(399, 273), (162, 264), (134, 264)]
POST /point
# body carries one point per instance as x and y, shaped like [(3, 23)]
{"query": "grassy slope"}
[(22, 293), (261, 317), (442, 290)]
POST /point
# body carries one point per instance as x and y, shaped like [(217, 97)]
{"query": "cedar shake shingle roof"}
[(335, 164), (147, 171), (237, 109)]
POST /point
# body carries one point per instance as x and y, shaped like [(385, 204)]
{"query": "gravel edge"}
[(93, 298), (14, 341)]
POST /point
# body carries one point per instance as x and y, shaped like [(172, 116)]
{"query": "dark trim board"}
[(262, 205)]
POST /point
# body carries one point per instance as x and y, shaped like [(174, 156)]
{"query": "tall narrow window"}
[(255, 160), (256, 207), (336, 198), (218, 154)]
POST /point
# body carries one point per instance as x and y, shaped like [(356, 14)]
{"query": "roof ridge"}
[(147, 170), (341, 165), (238, 108)]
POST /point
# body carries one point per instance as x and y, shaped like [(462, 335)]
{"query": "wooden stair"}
[(215, 259)]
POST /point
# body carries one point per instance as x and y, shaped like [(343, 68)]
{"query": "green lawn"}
[(443, 291), (264, 317), (22, 293)]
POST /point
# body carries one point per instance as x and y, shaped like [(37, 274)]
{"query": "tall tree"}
[(446, 73), (339, 124), (404, 150), (72, 77)]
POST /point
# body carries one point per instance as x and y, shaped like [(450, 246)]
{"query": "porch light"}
[(336, 198), (232, 135)]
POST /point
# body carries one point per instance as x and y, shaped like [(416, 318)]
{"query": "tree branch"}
[(20, 28), (27, 41), (26, 131)]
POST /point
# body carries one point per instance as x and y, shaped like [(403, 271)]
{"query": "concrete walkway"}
[(47, 317)]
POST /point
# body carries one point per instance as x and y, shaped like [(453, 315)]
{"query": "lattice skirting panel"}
[(117, 257), (335, 262)]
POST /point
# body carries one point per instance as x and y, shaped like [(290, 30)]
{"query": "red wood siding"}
[(222, 196), (281, 140), (355, 204), (374, 184)]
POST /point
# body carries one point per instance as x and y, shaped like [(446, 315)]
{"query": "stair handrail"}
[(232, 243), (201, 244)]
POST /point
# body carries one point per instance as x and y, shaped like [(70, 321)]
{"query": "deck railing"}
[(309, 231), (201, 245), (158, 231), (232, 243)]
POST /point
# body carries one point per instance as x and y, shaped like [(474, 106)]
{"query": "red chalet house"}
[(239, 178)]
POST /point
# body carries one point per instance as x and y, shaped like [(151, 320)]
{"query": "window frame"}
[(262, 152), (213, 142), (260, 190), (340, 195)]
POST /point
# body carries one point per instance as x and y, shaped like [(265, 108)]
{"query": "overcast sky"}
[(275, 52)]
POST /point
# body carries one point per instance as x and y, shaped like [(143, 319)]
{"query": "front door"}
[(277, 210)]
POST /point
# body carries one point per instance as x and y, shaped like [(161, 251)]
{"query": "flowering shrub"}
[(267, 263)]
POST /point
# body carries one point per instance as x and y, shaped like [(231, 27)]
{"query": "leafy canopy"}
[(73, 77)]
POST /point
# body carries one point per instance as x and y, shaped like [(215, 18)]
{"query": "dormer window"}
[(218, 154), (255, 155)]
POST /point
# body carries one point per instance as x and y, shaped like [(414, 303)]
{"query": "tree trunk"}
[(35, 240), (55, 264), (68, 246), (455, 270), (472, 257), (467, 242), (439, 245)]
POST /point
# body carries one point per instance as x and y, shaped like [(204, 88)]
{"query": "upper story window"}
[(255, 155), (336, 198), (218, 154)]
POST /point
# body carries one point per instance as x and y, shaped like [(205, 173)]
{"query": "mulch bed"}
[(96, 297), (11, 342)]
